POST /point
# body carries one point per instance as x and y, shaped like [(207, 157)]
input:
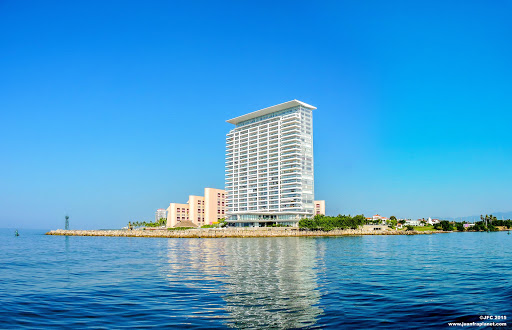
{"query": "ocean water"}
[(361, 282)]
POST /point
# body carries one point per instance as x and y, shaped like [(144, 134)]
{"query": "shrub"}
[(492, 228), (180, 228)]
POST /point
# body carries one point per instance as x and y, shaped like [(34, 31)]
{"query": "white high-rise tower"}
[(269, 166)]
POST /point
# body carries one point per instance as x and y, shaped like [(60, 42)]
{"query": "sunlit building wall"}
[(200, 210), (177, 212), (269, 166), (215, 204), (319, 207)]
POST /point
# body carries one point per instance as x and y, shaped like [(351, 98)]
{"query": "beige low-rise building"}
[(201, 210), (196, 206), (319, 207), (177, 212), (215, 204)]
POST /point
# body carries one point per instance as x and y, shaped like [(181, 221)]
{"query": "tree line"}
[(489, 222), (161, 222), (486, 223), (327, 223)]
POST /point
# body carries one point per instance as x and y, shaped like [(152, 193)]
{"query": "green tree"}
[(445, 225), (492, 228), (327, 223), (392, 222)]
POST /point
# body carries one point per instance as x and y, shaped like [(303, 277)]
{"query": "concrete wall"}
[(376, 228)]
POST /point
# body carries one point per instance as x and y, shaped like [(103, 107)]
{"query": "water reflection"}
[(264, 282)]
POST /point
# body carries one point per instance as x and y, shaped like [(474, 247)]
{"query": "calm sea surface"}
[(362, 282)]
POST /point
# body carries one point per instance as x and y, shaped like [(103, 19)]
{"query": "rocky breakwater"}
[(230, 232)]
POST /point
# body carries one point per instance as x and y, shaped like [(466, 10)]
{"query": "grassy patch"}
[(424, 228)]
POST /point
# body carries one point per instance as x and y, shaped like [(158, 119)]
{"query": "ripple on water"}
[(327, 282)]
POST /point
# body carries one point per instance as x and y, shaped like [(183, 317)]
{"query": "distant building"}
[(413, 222), (319, 207), (431, 221), (200, 210), (177, 212), (196, 209), (159, 214), (215, 205), (378, 217)]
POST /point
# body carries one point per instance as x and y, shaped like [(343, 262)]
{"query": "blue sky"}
[(101, 103)]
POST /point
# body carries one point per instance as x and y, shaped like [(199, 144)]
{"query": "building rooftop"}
[(274, 108)]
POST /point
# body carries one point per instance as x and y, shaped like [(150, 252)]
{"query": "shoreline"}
[(224, 233)]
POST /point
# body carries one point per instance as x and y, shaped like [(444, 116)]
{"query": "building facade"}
[(269, 166), (177, 212), (159, 214), (200, 210), (319, 207), (215, 204), (196, 207)]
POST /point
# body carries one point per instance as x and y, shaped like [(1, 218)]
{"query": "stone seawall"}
[(219, 233)]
